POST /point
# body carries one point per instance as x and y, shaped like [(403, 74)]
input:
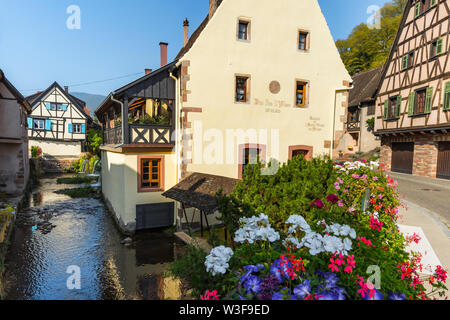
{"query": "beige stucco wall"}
[(120, 184), (368, 141), (14, 162), (271, 55), (58, 148)]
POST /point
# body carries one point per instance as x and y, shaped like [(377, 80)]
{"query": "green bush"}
[(95, 140)]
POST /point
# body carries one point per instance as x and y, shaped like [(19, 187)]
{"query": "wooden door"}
[(443, 164), (152, 216), (402, 157)]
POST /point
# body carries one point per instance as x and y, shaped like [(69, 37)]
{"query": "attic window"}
[(244, 30), (303, 40)]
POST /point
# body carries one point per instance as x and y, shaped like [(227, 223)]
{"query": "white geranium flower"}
[(217, 261)]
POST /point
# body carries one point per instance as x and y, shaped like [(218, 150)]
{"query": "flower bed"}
[(344, 244)]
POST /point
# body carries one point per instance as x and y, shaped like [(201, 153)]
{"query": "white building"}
[(58, 123)]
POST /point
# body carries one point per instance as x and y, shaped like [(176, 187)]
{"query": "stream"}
[(70, 249)]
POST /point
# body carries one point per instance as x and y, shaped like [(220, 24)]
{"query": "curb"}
[(436, 217)]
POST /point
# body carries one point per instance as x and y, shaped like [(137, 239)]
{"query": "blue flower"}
[(303, 290), (253, 284), (378, 296), (280, 271), (331, 279), (242, 298), (327, 295), (397, 296), (277, 296), (250, 270), (340, 293)]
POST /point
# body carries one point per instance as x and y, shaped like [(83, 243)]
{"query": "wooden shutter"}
[(48, 125), (412, 100), (405, 62), (417, 10), (70, 128), (83, 128), (447, 96), (47, 106), (439, 46), (398, 106), (30, 123), (432, 3), (64, 107), (429, 100), (386, 107)]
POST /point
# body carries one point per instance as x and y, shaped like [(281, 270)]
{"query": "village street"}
[(430, 194)]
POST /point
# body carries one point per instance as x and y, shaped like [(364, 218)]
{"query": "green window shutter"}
[(30, 123), (70, 128), (417, 10), (439, 46), (386, 106), (405, 62), (412, 100), (432, 3), (48, 125), (429, 100), (47, 105), (447, 96), (398, 107)]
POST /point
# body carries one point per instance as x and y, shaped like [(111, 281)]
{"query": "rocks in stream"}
[(126, 241)]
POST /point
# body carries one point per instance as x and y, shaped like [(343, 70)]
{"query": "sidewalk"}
[(436, 232)]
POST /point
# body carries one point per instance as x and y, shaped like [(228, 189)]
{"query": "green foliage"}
[(162, 119), (370, 124), (290, 191), (76, 180), (95, 140), (86, 192), (367, 48), (36, 152), (191, 268), (77, 165)]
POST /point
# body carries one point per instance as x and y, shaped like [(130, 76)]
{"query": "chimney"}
[(163, 46), (148, 71), (66, 88), (213, 5), (186, 31)]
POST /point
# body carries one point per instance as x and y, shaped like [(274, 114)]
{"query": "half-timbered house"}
[(58, 123), (413, 100), (14, 163), (257, 79)]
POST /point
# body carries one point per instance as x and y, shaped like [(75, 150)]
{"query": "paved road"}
[(431, 194)]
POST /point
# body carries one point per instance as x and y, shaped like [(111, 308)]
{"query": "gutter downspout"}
[(177, 145), (123, 122)]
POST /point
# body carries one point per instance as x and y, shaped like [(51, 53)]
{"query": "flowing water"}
[(57, 236)]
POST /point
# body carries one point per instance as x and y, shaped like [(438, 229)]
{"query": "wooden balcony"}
[(139, 134), (353, 126)]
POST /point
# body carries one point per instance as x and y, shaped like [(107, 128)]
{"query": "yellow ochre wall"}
[(271, 55)]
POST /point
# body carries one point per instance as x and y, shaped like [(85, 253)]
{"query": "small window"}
[(437, 47), (301, 93), (392, 112), (353, 115), (243, 30), (242, 89), (371, 110), (419, 106), (251, 156), (60, 107), (76, 128), (38, 124), (151, 173), (303, 40)]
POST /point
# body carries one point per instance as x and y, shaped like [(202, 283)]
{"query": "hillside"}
[(92, 100)]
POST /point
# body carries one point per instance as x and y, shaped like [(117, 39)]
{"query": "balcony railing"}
[(140, 134), (112, 136), (353, 126)]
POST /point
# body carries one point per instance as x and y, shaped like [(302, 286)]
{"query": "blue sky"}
[(117, 38)]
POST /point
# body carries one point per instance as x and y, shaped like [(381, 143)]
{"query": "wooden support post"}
[(201, 224), (125, 125)]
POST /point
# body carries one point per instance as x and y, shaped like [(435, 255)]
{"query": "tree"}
[(367, 48)]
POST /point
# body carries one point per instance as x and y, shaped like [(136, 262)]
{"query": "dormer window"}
[(244, 30)]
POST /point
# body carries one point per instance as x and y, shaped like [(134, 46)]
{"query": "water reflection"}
[(80, 232)]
